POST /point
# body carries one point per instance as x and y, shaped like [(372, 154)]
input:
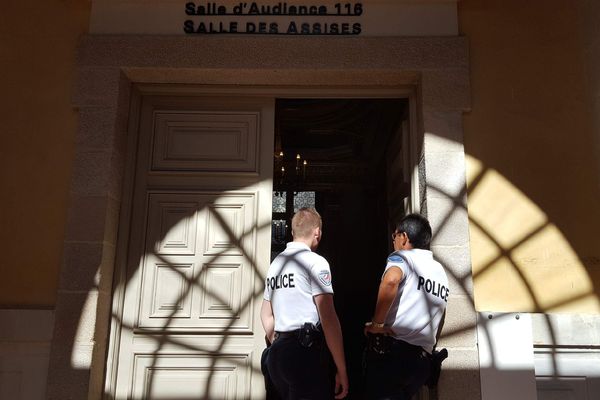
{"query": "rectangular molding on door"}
[(191, 376), (170, 291), (198, 269), (205, 141), (176, 224)]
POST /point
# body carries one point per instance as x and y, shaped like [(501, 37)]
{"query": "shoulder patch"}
[(395, 258), (325, 277)]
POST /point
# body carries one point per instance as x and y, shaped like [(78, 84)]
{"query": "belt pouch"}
[(308, 335), (379, 344)]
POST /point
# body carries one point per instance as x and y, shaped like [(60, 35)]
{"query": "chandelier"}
[(290, 173)]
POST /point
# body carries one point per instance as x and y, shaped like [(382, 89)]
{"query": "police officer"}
[(411, 304), (299, 318)]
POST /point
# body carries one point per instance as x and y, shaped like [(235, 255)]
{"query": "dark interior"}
[(345, 143)]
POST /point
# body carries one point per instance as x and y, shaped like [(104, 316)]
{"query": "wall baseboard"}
[(25, 339)]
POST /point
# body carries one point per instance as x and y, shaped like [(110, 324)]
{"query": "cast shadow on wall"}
[(209, 382)]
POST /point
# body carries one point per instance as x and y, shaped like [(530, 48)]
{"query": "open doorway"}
[(349, 159)]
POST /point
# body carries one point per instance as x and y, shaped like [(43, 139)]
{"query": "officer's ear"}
[(406, 244), (317, 232), (315, 238)]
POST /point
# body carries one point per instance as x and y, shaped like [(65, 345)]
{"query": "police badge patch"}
[(325, 277), (395, 258)]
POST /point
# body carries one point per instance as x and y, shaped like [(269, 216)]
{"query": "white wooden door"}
[(198, 249)]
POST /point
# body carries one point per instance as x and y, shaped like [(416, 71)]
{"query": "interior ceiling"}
[(343, 140)]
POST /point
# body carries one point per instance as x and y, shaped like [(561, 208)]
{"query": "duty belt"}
[(307, 335), (381, 344), (287, 334)]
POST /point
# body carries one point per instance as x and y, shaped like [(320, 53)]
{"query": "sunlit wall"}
[(533, 174), (530, 137)]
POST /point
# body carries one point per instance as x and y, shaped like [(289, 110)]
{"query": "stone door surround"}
[(109, 70)]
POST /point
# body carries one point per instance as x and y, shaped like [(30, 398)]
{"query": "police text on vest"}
[(433, 288), (281, 281)]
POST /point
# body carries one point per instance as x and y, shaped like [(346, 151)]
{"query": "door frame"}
[(141, 90)]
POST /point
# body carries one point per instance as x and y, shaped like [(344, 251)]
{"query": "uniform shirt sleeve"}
[(396, 259), (320, 277)]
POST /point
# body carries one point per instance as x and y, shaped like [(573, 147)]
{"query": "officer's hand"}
[(341, 385), (369, 328)]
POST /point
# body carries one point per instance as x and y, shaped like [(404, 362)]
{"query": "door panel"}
[(205, 141), (198, 250), (207, 284), (186, 376)]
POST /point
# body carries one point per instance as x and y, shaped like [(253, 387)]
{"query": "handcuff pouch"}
[(379, 344)]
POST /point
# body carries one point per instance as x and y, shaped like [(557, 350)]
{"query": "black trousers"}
[(396, 375), (298, 372), (269, 387)]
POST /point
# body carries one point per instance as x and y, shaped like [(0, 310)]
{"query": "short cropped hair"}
[(417, 229), (305, 221)]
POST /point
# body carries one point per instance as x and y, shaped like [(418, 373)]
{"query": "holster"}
[(436, 358), (309, 334)]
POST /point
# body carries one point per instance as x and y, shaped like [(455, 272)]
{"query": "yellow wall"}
[(533, 180), (37, 56), (534, 198)]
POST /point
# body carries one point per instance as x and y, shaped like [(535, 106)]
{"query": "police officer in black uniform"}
[(300, 321)]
